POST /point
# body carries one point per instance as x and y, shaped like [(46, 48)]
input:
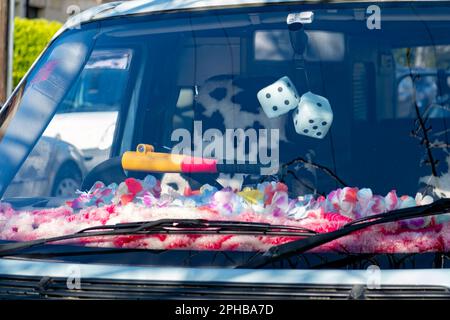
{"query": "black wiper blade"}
[(167, 226), (441, 206), (219, 225)]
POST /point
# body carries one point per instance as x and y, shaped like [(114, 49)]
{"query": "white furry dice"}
[(314, 116), (279, 98)]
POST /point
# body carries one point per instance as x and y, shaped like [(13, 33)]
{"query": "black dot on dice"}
[(275, 108), (315, 127), (311, 121), (280, 89), (319, 104), (288, 84), (306, 131), (268, 96), (296, 122), (319, 134), (324, 123), (286, 102)]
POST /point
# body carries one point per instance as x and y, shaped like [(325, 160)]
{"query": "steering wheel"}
[(108, 172)]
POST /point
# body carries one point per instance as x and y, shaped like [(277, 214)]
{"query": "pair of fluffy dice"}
[(313, 116)]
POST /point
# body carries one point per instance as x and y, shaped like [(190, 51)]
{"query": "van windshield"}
[(294, 114)]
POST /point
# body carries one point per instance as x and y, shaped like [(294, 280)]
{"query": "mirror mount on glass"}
[(299, 41)]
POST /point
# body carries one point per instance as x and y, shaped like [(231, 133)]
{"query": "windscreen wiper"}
[(283, 251), (167, 226)]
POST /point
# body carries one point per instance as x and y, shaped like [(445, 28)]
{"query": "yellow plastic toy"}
[(145, 159)]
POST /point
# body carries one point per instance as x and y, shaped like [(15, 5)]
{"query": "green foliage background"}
[(30, 38)]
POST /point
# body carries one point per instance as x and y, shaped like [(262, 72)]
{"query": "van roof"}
[(122, 8)]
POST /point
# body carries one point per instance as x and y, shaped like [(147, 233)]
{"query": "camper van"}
[(238, 149)]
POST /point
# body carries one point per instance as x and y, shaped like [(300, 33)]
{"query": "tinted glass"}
[(325, 105)]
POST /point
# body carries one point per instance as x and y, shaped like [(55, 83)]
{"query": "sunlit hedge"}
[(30, 38)]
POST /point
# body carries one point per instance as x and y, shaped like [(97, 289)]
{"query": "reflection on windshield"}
[(80, 135)]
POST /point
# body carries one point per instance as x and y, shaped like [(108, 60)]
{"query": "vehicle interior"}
[(357, 69)]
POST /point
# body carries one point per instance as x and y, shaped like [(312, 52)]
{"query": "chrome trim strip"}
[(419, 277)]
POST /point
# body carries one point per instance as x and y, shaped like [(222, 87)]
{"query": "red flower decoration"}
[(270, 191), (126, 198), (111, 209), (350, 195), (133, 185)]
